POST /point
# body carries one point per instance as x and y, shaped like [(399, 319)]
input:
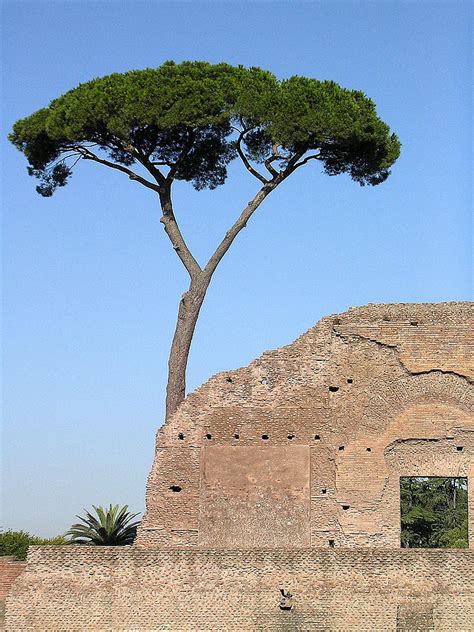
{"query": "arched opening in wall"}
[(434, 512)]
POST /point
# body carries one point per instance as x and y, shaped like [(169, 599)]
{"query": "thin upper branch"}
[(248, 211), (270, 167), (75, 162), (154, 171), (307, 159), (150, 166), (291, 165), (275, 156), (88, 155), (63, 158), (245, 160), (173, 231), (240, 223)]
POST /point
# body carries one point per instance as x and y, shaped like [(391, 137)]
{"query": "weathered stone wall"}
[(284, 475), (306, 445), (98, 588), (10, 569)]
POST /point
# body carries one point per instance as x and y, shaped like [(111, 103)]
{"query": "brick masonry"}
[(99, 588), (10, 569), (285, 475), (306, 445)]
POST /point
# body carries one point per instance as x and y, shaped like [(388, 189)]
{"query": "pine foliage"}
[(189, 117), (434, 512)]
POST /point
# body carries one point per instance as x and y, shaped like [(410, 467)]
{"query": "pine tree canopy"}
[(190, 117), (434, 512)]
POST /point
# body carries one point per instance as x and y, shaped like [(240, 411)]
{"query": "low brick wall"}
[(127, 588), (10, 569)]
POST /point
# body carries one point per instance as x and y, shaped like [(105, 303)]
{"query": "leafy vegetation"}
[(112, 527), (187, 122), (434, 512), (16, 543), (183, 115)]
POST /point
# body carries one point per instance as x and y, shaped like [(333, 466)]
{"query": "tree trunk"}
[(192, 300), (188, 312)]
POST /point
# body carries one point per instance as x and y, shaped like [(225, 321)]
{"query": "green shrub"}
[(16, 543)]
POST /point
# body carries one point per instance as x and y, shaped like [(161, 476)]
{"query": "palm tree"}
[(114, 527)]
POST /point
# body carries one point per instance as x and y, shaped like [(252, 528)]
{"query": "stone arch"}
[(395, 396), (419, 441)]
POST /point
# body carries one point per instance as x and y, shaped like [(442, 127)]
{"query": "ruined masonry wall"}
[(125, 588), (284, 475), (305, 446), (10, 569)]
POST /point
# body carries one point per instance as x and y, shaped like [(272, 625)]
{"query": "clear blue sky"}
[(90, 282)]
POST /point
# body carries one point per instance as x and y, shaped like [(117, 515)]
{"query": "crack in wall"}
[(347, 338)]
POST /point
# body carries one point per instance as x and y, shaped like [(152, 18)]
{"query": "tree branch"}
[(75, 162), (291, 164), (88, 155), (307, 159), (186, 149), (144, 160), (240, 223), (171, 227), (271, 169), (275, 156), (154, 171), (244, 159), (65, 156)]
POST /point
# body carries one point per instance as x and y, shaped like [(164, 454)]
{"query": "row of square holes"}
[(177, 488), (291, 436), (266, 437)]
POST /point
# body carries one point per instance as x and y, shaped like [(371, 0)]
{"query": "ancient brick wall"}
[(306, 445), (284, 475), (10, 569), (125, 588)]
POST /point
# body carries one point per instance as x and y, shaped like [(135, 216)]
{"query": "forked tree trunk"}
[(192, 300)]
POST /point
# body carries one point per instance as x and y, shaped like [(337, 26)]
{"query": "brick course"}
[(10, 569), (127, 588)]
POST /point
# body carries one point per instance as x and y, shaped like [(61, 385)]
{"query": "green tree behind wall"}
[(16, 543), (434, 512)]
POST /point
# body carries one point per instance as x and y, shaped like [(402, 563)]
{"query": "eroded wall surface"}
[(306, 445), (125, 588), (10, 569)]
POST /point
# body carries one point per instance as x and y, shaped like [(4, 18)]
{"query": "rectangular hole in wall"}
[(433, 512)]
